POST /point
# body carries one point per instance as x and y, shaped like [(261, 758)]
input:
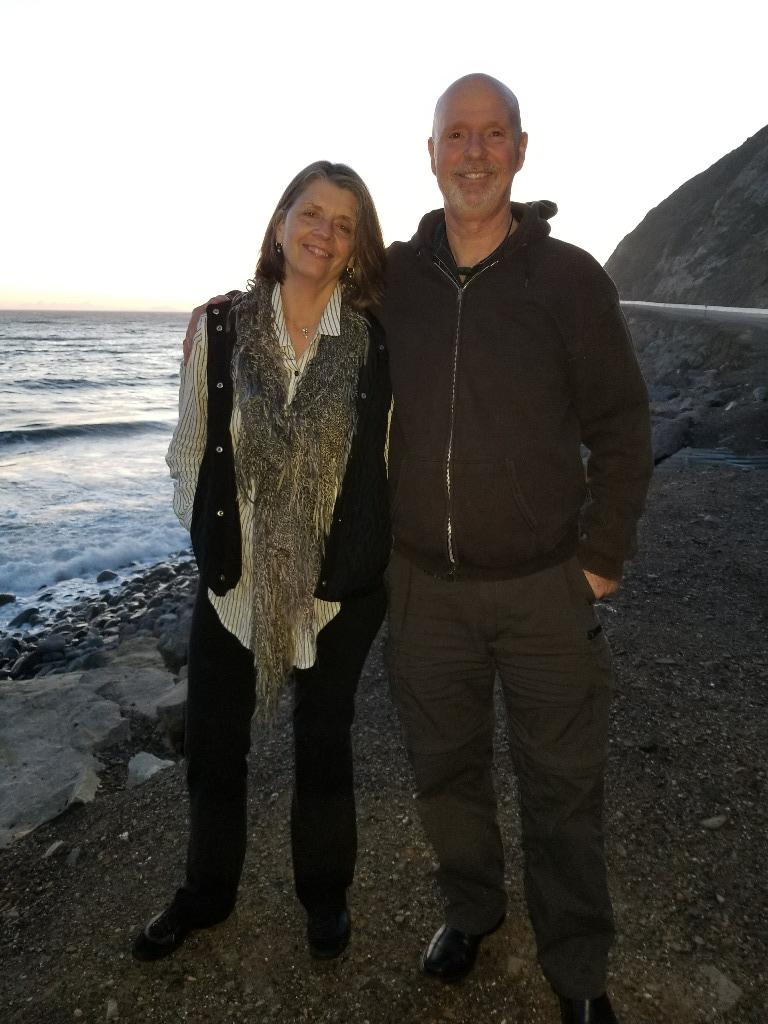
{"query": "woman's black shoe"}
[(328, 933), (587, 1011), (167, 931), (163, 934), (452, 953)]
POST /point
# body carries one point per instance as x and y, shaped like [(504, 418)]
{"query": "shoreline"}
[(54, 637)]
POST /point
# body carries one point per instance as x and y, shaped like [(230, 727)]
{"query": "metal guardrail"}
[(719, 457), (713, 314)]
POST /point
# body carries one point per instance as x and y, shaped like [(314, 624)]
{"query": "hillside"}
[(707, 242)]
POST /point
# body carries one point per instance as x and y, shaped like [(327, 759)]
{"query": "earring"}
[(279, 248), (350, 272)]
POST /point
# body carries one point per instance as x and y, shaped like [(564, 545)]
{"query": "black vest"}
[(358, 545)]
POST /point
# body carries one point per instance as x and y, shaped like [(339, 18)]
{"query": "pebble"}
[(9, 648), (727, 993), (715, 822), (27, 617), (714, 400), (515, 966), (112, 1011), (52, 644), (25, 665), (143, 766), (53, 849), (648, 744)]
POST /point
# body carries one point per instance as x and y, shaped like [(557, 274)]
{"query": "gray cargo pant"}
[(448, 640)]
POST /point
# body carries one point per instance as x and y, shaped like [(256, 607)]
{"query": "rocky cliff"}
[(707, 242)]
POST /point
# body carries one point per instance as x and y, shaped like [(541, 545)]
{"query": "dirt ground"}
[(686, 810)]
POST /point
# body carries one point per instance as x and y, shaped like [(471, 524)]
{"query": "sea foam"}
[(25, 575)]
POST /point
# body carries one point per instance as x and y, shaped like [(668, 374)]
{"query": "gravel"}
[(686, 814)]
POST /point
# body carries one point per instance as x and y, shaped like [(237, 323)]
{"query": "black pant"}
[(539, 634), (220, 705)]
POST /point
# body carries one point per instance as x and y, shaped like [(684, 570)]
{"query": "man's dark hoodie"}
[(497, 383)]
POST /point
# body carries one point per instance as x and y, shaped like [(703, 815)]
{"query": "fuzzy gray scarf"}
[(290, 461)]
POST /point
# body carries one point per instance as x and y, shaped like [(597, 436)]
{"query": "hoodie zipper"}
[(460, 288)]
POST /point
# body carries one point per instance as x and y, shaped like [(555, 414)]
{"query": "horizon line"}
[(89, 309)]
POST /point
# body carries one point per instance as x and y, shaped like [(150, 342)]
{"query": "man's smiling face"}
[(476, 149)]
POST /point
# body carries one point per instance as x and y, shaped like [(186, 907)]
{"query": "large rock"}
[(51, 727), (669, 436), (171, 709), (48, 730), (135, 677), (174, 640)]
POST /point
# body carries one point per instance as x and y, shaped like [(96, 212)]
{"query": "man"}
[(508, 351)]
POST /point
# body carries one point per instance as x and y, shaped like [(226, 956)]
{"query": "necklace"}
[(296, 364), (305, 331), (465, 272)]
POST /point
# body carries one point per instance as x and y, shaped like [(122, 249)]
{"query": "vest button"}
[(220, 385), (220, 512), (219, 327), (216, 313), (219, 449), (363, 394)]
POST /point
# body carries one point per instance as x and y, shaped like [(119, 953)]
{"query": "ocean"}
[(88, 403)]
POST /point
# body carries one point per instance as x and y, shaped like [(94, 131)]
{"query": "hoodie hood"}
[(532, 221)]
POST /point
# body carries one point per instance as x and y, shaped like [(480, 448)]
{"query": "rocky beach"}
[(686, 809)]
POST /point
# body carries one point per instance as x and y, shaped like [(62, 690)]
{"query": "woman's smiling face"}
[(318, 232)]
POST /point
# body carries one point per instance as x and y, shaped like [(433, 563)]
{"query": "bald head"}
[(479, 83), (477, 148)]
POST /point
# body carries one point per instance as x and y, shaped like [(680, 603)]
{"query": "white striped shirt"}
[(185, 455)]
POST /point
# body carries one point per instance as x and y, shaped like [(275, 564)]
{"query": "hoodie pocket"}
[(493, 524), (418, 496), (519, 497), (578, 584)]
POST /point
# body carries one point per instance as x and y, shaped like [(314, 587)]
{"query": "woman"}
[(278, 462)]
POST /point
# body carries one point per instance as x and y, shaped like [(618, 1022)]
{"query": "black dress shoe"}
[(587, 1011), (167, 931), (452, 953), (328, 933)]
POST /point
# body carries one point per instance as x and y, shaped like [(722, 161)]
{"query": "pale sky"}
[(145, 143)]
